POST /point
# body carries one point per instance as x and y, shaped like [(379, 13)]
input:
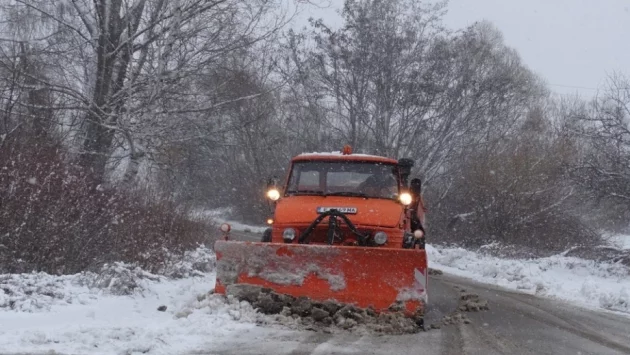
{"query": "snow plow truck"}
[(345, 227)]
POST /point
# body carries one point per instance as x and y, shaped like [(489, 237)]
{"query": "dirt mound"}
[(468, 302), (435, 272), (329, 316)]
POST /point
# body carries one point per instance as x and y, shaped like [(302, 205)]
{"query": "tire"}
[(266, 238)]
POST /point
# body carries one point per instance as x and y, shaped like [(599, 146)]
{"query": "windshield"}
[(359, 179)]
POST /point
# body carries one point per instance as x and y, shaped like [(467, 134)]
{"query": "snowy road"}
[(45, 314), (516, 323)]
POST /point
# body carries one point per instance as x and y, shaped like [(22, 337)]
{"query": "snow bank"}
[(196, 262), (620, 241), (74, 314), (585, 282), (118, 279), (221, 215), (169, 316), (38, 292), (118, 324), (121, 310)]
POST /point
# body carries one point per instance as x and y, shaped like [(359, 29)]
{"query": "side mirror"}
[(404, 168), (272, 182), (415, 188)]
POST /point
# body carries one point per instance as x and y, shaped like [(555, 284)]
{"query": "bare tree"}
[(609, 129), (123, 61), (393, 81), (518, 194), (603, 169)]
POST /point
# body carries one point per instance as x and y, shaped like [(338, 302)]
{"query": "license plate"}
[(346, 210)]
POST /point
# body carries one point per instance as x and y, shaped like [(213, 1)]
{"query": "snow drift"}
[(156, 314), (585, 282)]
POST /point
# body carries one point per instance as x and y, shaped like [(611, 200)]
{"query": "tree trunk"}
[(99, 131)]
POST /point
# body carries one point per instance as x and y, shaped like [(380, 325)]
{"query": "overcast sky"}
[(572, 44)]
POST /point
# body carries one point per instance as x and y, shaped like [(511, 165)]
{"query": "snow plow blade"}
[(382, 278)]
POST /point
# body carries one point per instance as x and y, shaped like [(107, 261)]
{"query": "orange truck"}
[(346, 227)]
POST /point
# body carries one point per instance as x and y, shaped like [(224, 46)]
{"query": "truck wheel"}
[(266, 238)]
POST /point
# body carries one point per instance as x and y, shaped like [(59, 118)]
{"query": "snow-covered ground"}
[(94, 323), (620, 241), (92, 314), (585, 282)]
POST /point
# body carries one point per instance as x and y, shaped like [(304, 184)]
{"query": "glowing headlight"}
[(405, 198), (288, 234), (418, 234), (273, 194), (380, 238), (225, 228)]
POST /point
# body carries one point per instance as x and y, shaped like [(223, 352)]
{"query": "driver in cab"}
[(379, 186)]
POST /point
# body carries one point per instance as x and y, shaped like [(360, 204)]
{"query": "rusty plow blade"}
[(381, 278)]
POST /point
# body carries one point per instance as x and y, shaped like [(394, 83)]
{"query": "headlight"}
[(380, 238), (405, 198), (273, 194), (288, 235), (418, 233)]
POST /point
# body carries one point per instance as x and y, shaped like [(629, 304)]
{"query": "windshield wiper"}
[(347, 193), (306, 192)]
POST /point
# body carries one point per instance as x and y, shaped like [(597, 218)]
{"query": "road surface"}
[(516, 323)]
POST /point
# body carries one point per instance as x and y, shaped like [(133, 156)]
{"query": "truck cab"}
[(345, 199)]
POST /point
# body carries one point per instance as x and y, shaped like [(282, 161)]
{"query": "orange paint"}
[(366, 276), (370, 211), (375, 277)]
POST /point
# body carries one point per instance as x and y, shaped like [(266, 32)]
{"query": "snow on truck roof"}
[(341, 156)]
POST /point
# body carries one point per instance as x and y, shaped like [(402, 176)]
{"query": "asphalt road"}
[(515, 323)]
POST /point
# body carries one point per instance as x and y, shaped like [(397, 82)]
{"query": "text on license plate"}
[(348, 210)]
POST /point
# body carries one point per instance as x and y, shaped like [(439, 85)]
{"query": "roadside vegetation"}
[(118, 118)]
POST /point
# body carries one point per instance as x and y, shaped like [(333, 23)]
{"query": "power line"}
[(574, 87)]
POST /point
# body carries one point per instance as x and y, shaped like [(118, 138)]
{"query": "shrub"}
[(52, 220), (517, 194)]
